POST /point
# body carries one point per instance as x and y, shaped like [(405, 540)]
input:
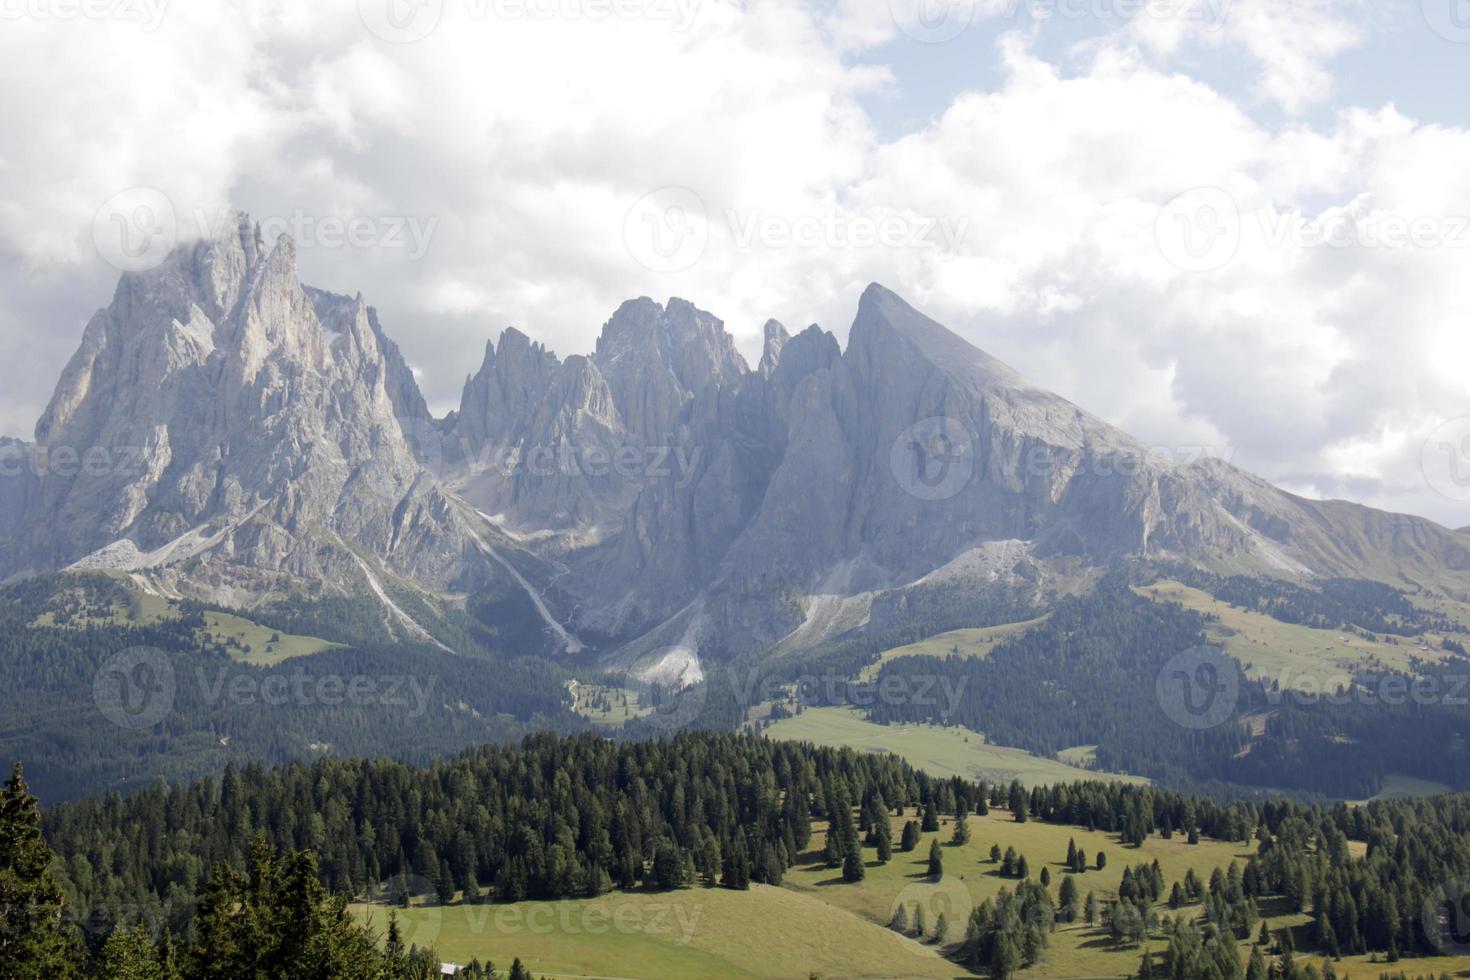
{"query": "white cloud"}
[(525, 142)]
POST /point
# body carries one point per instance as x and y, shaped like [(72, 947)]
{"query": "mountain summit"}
[(244, 437)]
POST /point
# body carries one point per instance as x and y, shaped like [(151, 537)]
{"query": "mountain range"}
[(227, 433)]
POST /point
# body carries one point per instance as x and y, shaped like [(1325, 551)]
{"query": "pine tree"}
[(1018, 802), (32, 943), (936, 860), (941, 928), (1102, 860), (852, 865), (518, 971), (1071, 852), (1256, 969), (1067, 899), (394, 943), (1045, 877), (910, 838), (131, 954), (961, 829), (900, 920), (931, 818), (884, 842), (1006, 959)]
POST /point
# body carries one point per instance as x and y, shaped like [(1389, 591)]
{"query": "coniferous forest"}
[(189, 877)]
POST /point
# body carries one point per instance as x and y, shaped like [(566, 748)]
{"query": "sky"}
[(1237, 228)]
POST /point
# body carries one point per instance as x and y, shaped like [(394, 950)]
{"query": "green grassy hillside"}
[(1291, 653), (817, 924), (939, 751)]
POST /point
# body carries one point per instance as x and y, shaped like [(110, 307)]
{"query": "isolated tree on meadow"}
[(936, 860)]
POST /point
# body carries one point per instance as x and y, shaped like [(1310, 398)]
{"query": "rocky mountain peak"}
[(887, 327), (688, 505), (775, 338)]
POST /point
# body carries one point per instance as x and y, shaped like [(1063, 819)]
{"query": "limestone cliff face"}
[(249, 435), (243, 434)]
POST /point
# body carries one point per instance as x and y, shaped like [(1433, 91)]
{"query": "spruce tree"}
[(936, 860), (1256, 969), (900, 920), (131, 954), (1067, 900), (32, 943), (1018, 802), (852, 865)]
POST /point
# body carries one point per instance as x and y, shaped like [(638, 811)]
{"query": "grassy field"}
[(961, 643), (1294, 655), (970, 878), (698, 932), (939, 751), (244, 640), (265, 645), (817, 924), (605, 705)]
